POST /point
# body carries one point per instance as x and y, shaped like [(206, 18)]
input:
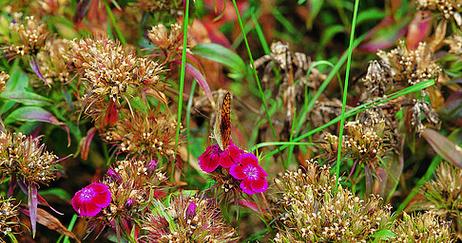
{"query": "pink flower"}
[(214, 157), (90, 200), (253, 176)]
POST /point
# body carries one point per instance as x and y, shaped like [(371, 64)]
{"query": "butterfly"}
[(222, 125)]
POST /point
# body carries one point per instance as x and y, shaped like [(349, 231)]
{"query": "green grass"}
[(345, 92), (182, 77)]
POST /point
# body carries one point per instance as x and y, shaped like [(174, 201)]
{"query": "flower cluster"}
[(422, 227), (447, 8), (186, 219), (112, 74), (166, 39), (455, 44), (143, 136), (9, 220), (443, 196), (3, 78), (28, 36), (24, 157), (51, 62), (409, 67), (313, 209), (242, 166)]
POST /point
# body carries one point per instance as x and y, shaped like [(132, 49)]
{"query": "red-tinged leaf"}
[(200, 79), (112, 114), (35, 67), (444, 147), (418, 29), (52, 223), (32, 195), (41, 200), (86, 142), (81, 11), (251, 205), (37, 114), (383, 35)]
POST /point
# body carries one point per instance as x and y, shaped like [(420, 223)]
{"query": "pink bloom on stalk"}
[(90, 200), (214, 157), (253, 176)]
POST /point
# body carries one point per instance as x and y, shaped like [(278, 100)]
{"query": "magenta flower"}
[(214, 157), (90, 200), (253, 176)]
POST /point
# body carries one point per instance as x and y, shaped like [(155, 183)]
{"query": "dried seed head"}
[(447, 8), (51, 61), (143, 136), (166, 39), (455, 44), (112, 73), (443, 195), (411, 66), (180, 223), (26, 158), (9, 220), (422, 227), (313, 210), (28, 36)]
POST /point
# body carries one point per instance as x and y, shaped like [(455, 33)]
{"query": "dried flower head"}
[(186, 220), (51, 62), (411, 66), (24, 157), (312, 209), (378, 79), (443, 195), (145, 136), (27, 36), (166, 39), (9, 220), (422, 227), (455, 44), (448, 8), (365, 141), (421, 111), (111, 73), (3, 78)]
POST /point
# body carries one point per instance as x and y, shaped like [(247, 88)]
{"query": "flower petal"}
[(237, 172), (246, 187), (259, 185), (208, 161), (248, 159)]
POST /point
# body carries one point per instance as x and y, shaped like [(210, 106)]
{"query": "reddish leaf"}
[(86, 142), (418, 29), (52, 223), (35, 67), (32, 203), (444, 147), (112, 115), (251, 205)]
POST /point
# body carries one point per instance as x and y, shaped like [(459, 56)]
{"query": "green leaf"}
[(57, 192), (222, 55), (26, 98), (383, 234), (370, 15)]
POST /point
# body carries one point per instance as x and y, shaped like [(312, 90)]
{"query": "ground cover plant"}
[(230, 121)]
